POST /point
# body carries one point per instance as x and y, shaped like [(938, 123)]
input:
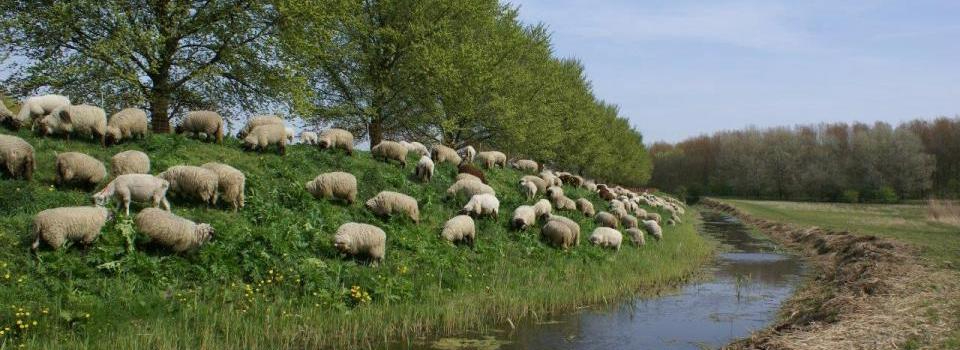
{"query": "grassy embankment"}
[(271, 278)]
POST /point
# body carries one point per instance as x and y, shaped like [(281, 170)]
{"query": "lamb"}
[(130, 162), (606, 237), (468, 177), (467, 168), (140, 188), (490, 159), (354, 239), (442, 154), (541, 184), (58, 225), (263, 136), (230, 182), (387, 203), (416, 147), (126, 124), (256, 121), (542, 207), (206, 122), (629, 221), (387, 150), (482, 204), (468, 153), (84, 120), (585, 207), (194, 182), (17, 157), (469, 188), (424, 170), (528, 188), (172, 231), (79, 168), (526, 165), (523, 217), (653, 228), (460, 228), (336, 138), (560, 231), (636, 235), (606, 219), (339, 185), (36, 107), (309, 137)]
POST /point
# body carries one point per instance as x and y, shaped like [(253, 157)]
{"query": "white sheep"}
[(140, 188), (523, 217), (468, 188), (549, 179), (424, 170), (338, 184), (263, 136), (636, 236), (309, 137), (654, 216), (356, 239), (258, 120), (468, 153), (482, 204), (36, 107), (460, 228), (560, 231), (541, 184), (489, 159), (467, 177), (542, 207), (606, 237), (606, 219), (194, 182), (387, 150), (629, 221), (57, 226), (126, 124), (336, 138), (83, 120), (130, 162), (528, 188), (526, 165), (560, 201), (290, 134), (387, 203), (172, 231), (416, 147), (442, 154), (585, 207), (230, 182), (653, 228), (79, 168), (203, 122), (17, 157)]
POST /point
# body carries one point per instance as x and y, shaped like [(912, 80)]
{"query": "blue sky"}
[(683, 68)]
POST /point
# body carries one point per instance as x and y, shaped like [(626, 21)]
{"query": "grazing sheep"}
[(140, 188), (606, 237), (466, 168), (193, 182), (355, 239), (263, 136), (338, 184), (482, 204), (416, 147), (309, 137), (387, 203), (424, 170), (606, 219), (541, 184), (640, 213), (57, 226), (387, 150), (468, 188), (528, 188), (126, 124), (636, 236), (230, 182), (606, 194), (554, 192), (490, 159), (629, 221), (523, 217), (653, 228), (256, 121), (336, 138), (542, 207), (620, 213), (590, 185), (572, 180), (460, 228), (17, 157), (36, 107), (467, 177), (560, 231), (670, 222), (468, 153), (560, 201), (585, 207), (207, 122), (6, 115), (172, 231), (83, 120), (443, 154), (79, 168), (550, 180), (526, 165), (654, 216), (130, 162)]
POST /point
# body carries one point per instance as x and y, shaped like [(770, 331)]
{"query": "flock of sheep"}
[(53, 114)]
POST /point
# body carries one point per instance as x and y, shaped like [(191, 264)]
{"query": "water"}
[(746, 286)]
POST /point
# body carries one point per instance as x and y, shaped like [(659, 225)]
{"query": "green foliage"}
[(887, 195), (850, 196)]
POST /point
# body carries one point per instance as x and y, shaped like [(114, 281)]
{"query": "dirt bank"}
[(866, 293)]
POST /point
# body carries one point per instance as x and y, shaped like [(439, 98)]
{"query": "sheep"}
[(560, 231), (336, 138), (258, 120), (467, 168), (387, 203), (230, 182), (58, 225), (424, 169), (468, 153), (469, 188), (263, 136), (528, 188), (526, 165), (387, 150), (129, 162), (606, 194), (468, 177), (670, 222), (636, 235), (339, 185), (17, 157), (36, 107), (606, 237), (460, 228), (541, 184), (572, 180), (585, 207), (172, 231), (653, 228), (354, 239), (560, 201), (482, 204), (289, 133), (542, 207), (126, 124), (6, 115), (309, 137), (443, 154), (554, 192), (606, 219), (79, 168), (140, 188), (620, 213), (653, 216), (206, 122), (523, 217), (85, 120), (193, 181), (490, 159), (590, 185), (550, 180), (640, 213), (629, 221), (416, 147)]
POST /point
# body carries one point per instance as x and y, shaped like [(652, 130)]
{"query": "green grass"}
[(904, 222), (271, 277)]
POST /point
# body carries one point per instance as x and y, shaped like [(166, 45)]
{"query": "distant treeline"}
[(826, 162), (437, 71)]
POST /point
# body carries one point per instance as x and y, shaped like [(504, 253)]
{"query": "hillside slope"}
[(271, 277)]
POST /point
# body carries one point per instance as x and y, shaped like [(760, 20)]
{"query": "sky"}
[(683, 68)]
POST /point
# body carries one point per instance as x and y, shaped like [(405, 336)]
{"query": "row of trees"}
[(832, 162), (450, 71)]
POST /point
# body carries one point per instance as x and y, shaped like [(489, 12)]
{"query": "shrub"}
[(850, 196)]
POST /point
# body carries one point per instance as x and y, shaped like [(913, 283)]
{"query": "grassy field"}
[(905, 222), (271, 277)]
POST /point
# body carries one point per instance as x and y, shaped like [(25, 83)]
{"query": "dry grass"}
[(942, 211)]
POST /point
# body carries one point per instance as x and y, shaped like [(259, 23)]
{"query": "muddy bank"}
[(866, 293)]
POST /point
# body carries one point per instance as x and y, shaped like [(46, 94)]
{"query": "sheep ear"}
[(65, 115)]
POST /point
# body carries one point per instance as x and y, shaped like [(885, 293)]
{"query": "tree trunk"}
[(159, 111), (375, 131)]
